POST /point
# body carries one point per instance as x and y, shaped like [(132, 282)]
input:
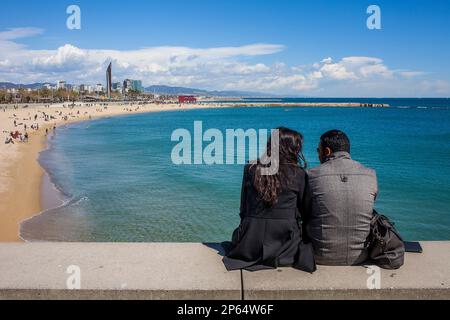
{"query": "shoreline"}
[(50, 198), (21, 174)]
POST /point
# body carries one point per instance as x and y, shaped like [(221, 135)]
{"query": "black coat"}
[(267, 237)]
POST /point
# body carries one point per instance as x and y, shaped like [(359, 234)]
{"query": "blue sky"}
[(312, 48)]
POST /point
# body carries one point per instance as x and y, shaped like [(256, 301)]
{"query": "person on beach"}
[(269, 235), (339, 201), (9, 140)]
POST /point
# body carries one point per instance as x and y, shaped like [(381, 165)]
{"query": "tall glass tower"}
[(109, 80)]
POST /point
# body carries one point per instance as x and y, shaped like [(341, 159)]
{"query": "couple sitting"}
[(330, 207)]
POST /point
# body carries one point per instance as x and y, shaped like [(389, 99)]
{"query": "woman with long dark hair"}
[(269, 235)]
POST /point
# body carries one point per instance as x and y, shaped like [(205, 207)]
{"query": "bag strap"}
[(374, 231)]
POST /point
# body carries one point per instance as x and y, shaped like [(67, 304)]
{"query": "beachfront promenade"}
[(195, 271)]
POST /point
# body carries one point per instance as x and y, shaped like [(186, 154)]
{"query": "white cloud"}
[(353, 68), (17, 33), (65, 58), (176, 65), (411, 74), (441, 87), (218, 68), (337, 71)]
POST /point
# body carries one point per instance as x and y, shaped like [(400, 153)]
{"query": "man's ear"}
[(328, 152)]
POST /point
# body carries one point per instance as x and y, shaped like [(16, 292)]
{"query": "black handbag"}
[(385, 245)]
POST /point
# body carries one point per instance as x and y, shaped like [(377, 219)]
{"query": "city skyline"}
[(119, 87), (285, 48)]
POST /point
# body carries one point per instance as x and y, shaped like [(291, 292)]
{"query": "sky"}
[(286, 47)]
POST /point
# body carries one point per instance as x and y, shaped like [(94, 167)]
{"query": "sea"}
[(114, 179)]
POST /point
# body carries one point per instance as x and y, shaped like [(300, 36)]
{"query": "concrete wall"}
[(195, 271)]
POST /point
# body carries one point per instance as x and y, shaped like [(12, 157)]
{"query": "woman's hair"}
[(290, 153)]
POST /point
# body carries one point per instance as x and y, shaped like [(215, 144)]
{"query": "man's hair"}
[(336, 140)]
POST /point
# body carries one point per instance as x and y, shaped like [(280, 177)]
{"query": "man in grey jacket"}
[(340, 196)]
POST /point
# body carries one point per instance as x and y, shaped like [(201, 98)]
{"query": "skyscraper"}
[(132, 85), (109, 80), (137, 86), (61, 85)]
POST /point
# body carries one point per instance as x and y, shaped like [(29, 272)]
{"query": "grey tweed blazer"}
[(340, 196)]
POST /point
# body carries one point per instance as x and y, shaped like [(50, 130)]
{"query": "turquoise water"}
[(120, 184)]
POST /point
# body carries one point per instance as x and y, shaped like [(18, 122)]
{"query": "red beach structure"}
[(187, 99)]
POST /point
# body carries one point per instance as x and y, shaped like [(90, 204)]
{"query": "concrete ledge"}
[(424, 276), (195, 271), (116, 271)]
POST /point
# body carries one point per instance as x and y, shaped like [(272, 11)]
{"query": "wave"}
[(28, 223)]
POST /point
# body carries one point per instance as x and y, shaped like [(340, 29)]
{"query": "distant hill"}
[(10, 85), (199, 92)]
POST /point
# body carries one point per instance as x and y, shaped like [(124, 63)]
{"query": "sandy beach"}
[(20, 172)]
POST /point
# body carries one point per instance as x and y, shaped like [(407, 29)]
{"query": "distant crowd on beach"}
[(22, 125), (16, 136), (22, 136)]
